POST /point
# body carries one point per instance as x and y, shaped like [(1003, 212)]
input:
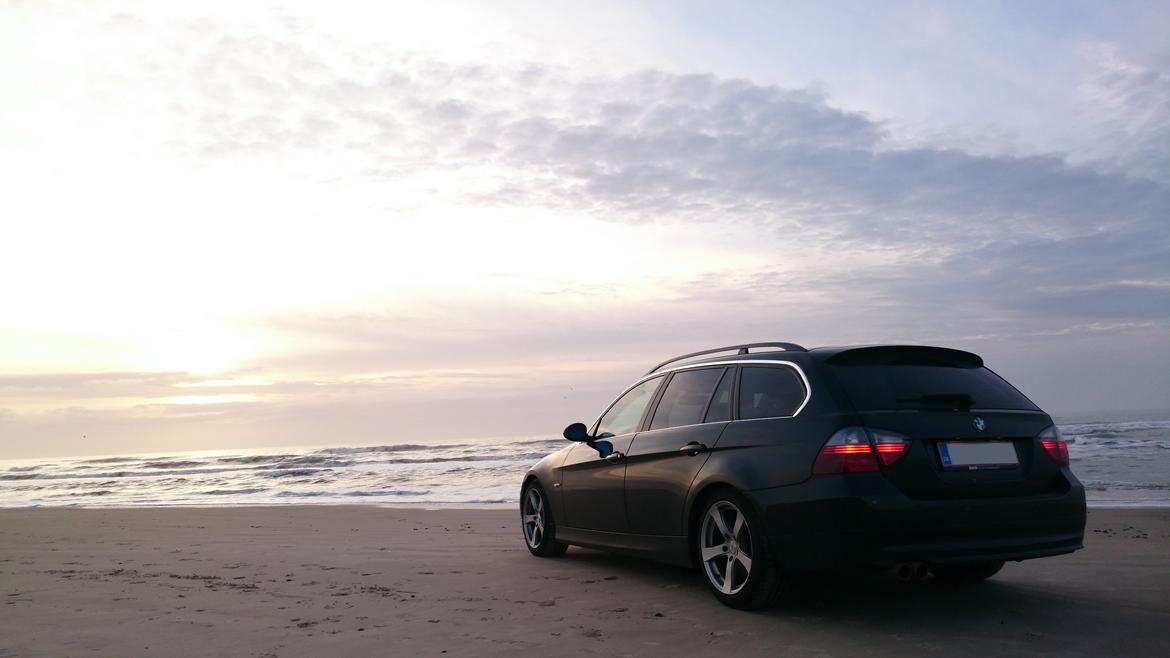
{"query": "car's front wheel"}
[(734, 554), (536, 521)]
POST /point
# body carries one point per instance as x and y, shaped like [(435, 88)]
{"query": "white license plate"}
[(974, 455)]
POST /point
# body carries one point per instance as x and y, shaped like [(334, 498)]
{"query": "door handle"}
[(693, 448), (613, 456)]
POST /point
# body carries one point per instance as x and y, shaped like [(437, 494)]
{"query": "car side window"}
[(769, 392), (625, 414), (685, 398), (720, 409)]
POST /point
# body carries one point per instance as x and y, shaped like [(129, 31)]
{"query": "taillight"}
[(850, 450), (891, 447), (1054, 445)]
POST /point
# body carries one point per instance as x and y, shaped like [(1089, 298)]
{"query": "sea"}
[(1123, 462)]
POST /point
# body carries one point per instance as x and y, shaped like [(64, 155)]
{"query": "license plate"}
[(975, 455)]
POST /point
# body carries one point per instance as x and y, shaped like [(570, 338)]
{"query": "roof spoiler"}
[(741, 349), (905, 355)]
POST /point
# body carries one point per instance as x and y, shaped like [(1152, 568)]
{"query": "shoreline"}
[(1121, 464), (310, 580)]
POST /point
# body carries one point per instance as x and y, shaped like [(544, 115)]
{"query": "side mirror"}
[(603, 448), (577, 432)]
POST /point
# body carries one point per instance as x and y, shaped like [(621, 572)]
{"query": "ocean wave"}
[(252, 459), (292, 472), (163, 464), (1113, 430), (152, 475), (355, 494), (390, 492), (1117, 440), (1121, 463), (401, 447), (509, 457), (1135, 440), (313, 460), (79, 494), (440, 447), (1107, 485), (108, 460)]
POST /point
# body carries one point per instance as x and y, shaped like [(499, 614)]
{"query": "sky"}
[(229, 224)]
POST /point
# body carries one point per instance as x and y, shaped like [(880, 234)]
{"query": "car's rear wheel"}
[(968, 573), (537, 523), (734, 555)]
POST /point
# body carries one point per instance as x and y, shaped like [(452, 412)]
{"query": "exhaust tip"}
[(913, 570)]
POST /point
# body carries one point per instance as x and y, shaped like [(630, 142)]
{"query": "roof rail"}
[(743, 349)]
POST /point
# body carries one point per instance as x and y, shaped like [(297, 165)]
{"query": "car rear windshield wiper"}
[(960, 400)]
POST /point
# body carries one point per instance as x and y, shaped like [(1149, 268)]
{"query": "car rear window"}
[(878, 387)]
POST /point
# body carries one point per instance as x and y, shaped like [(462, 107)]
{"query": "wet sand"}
[(317, 581)]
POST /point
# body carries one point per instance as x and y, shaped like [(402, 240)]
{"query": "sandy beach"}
[(317, 580)]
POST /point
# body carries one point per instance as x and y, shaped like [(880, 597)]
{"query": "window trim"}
[(735, 389)]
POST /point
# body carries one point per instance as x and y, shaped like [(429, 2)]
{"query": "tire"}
[(968, 573), (734, 556), (536, 523)]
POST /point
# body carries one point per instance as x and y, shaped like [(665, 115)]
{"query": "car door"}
[(593, 486), (663, 460)]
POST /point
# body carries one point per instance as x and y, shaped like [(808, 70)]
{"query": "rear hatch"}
[(972, 435)]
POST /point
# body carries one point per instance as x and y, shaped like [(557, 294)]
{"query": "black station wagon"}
[(762, 464)]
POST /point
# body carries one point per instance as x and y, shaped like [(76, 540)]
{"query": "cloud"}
[(1010, 235), (649, 146), (1130, 103), (81, 385)]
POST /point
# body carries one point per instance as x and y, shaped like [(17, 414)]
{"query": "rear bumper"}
[(860, 521)]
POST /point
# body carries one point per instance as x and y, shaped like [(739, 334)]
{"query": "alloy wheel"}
[(532, 518), (725, 547)]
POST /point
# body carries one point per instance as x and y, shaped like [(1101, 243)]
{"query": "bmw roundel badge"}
[(979, 424)]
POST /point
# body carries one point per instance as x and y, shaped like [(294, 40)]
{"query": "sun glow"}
[(209, 399), (200, 348), (224, 383)]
